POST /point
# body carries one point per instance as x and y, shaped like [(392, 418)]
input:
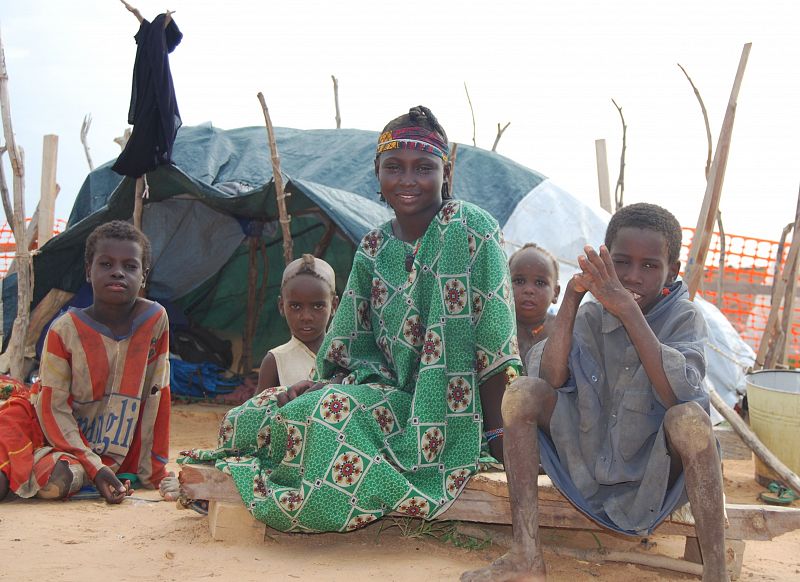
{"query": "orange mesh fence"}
[(747, 278), (7, 244)]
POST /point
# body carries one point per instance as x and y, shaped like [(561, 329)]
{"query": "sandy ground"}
[(144, 539)]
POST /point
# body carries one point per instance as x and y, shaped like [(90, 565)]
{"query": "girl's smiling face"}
[(641, 261), (533, 279), (411, 181)]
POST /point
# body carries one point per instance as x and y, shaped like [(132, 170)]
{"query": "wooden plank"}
[(603, 184), (485, 500), (231, 522), (47, 196), (206, 482)]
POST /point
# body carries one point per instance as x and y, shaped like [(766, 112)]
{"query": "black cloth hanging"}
[(154, 110)]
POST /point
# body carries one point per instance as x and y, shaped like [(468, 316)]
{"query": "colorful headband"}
[(413, 138)]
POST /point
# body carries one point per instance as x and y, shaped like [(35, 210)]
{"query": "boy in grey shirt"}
[(614, 404)]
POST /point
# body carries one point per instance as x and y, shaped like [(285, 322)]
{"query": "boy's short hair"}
[(547, 254), (119, 230), (649, 217)]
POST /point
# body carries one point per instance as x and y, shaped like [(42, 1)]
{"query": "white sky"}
[(550, 68)]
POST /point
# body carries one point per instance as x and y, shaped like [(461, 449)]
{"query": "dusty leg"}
[(170, 488), (58, 486), (690, 436), (527, 404), (3, 485)]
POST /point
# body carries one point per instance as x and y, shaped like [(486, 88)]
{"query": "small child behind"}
[(102, 406), (534, 278), (308, 301)]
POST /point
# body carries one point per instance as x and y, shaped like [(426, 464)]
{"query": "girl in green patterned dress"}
[(411, 372)]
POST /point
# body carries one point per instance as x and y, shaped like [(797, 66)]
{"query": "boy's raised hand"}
[(599, 277), (111, 488)]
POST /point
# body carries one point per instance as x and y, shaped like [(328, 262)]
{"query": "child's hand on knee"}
[(112, 489)]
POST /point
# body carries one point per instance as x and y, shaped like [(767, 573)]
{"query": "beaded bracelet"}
[(490, 435)]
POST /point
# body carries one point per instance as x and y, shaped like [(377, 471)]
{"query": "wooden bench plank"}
[(485, 500)]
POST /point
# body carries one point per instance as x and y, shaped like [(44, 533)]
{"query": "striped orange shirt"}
[(105, 399)]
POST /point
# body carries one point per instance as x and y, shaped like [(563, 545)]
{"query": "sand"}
[(147, 539)]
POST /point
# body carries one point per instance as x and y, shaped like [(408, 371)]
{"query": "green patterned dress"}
[(403, 431)]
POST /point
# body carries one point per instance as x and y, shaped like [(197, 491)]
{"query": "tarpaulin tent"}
[(201, 210)]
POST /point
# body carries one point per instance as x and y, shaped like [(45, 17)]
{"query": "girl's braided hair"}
[(308, 266)]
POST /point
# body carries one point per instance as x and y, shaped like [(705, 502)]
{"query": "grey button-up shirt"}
[(607, 424)]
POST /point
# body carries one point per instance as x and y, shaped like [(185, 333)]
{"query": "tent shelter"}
[(202, 210)]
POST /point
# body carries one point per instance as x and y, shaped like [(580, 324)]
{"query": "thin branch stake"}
[(721, 277), (452, 162), (336, 101), (7, 208), (472, 111), (705, 119), (85, 126), (773, 328), (619, 190), (708, 212), (499, 135), (280, 194), (122, 140), (19, 332)]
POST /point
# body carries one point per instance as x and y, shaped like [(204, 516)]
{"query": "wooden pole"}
[(23, 255), (789, 314), (138, 194), (87, 123), (280, 194), (499, 135), (603, 182), (245, 363), (472, 112), (336, 101), (47, 207), (619, 189), (721, 279), (752, 441), (708, 212), (787, 280), (452, 162)]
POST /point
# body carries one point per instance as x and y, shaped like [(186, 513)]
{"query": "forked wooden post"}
[(708, 212), (47, 200), (603, 183), (280, 194), (138, 202), (787, 280), (24, 262), (336, 101), (452, 162)]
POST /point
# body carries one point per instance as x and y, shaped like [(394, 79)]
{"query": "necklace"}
[(538, 329), (411, 256)]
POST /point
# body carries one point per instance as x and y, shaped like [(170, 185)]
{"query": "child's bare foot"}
[(58, 486), (510, 567), (170, 488)]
